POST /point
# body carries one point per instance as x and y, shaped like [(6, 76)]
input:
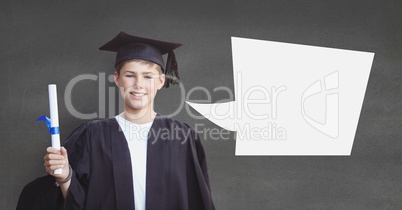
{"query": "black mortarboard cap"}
[(129, 47)]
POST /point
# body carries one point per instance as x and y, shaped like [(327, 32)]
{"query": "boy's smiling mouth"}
[(137, 94)]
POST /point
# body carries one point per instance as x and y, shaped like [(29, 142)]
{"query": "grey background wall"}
[(43, 42)]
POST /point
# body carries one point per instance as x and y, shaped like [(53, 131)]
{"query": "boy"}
[(110, 164)]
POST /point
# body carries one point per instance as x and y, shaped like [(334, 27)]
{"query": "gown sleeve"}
[(41, 194), (78, 149), (200, 163)]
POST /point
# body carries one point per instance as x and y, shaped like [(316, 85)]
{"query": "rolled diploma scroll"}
[(54, 119)]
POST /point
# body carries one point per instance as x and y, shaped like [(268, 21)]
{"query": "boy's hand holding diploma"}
[(56, 158)]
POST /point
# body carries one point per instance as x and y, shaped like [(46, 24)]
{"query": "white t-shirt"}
[(137, 138)]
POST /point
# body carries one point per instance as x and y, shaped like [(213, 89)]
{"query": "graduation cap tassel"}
[(172, 73)]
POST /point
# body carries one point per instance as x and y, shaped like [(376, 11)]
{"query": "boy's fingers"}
[(52, 150), (63, 152), (54, 157), (56, 162)]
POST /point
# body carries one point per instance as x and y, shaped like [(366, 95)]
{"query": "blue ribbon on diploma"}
[(52, 130)]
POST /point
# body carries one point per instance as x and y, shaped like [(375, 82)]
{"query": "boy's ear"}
[(161, 83), (116, 79)]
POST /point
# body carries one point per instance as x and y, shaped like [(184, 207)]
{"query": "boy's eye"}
[(148, 77), (130, 76)]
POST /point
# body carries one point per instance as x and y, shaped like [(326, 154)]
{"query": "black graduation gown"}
[(41, 194), (176, 177)]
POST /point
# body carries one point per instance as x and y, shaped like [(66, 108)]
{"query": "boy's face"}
[(138, 83)]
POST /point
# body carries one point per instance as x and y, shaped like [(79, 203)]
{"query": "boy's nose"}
[(139, 82)]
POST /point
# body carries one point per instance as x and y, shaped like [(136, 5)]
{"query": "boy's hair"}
[(151, 64)]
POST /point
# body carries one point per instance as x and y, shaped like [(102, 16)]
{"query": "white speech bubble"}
[(292, 99)]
